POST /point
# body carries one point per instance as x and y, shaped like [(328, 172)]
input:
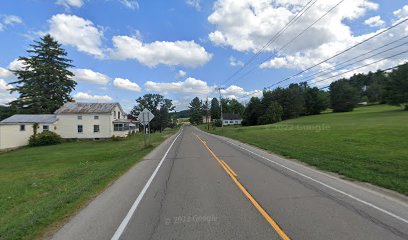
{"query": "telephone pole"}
[(222, 118), (208, 114)]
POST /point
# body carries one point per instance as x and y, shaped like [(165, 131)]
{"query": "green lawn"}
[(369, 144), (40, 187)]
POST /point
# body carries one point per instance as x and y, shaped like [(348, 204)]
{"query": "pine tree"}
[(44, 83), (196, 116)]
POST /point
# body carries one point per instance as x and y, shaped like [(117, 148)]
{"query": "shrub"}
[(45, 138), (217, 123)]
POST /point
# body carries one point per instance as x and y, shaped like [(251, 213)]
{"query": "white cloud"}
[(16, 65), (234, 62), (5, 96), (234, 92), (402, 13), (126, 84), (374, 22), (189, 86), (82, 96), (5, 73), (194, 3), (130, 4), (9, 20), (181, 74), (90, 76), (185, 53), (70, 3), (77, 32)]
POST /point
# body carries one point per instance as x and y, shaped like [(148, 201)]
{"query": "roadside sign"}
[(145, 117)]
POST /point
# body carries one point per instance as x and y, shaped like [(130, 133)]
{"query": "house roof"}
[(74, 107), (30, 118), (231, 116)]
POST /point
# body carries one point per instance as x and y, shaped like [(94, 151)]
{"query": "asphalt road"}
[(199, 186)]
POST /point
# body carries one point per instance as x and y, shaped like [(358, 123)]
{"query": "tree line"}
[(300, 99)]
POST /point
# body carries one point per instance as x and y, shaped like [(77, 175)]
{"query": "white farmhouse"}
[(232, 119), (73, 120)]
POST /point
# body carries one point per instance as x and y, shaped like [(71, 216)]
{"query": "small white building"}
[(231, 119), (73, 121)]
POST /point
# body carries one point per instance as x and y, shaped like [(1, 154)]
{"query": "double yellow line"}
[(233, 176)]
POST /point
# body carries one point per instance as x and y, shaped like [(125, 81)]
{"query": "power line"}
[(332, 57), (274, 37)]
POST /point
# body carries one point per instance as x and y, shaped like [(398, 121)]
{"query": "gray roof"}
[(74, 107), (30, 118), (231, 116)]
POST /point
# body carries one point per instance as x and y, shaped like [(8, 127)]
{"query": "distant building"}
[(72, 120), (207, 119), (232, 119)]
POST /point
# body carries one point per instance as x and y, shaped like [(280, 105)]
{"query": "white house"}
[(72, 120), (232, 119)]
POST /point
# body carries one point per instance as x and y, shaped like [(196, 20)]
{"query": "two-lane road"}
[(207, 187)]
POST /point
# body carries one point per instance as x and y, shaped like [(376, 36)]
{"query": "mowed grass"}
[(40, 187), (369, 144)]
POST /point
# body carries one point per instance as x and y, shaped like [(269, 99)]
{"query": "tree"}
[(343, 96), (316, 101), (397, 86), (215, 109), (196, 116), (159, 106), (273, 114), (252, 112), (44, 82), (236, 107)]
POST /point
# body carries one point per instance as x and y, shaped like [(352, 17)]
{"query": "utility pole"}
[(208, 115), (222, 118)]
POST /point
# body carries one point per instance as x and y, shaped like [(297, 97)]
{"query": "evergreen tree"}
[(196, 115), (316, 101), (252, 112), (273, 114), (44, 83), (397, 86), (215, 109)]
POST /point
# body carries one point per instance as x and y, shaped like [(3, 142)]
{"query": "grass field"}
[(40, 187), (369, 144)]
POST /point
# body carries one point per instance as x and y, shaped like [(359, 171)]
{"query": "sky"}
[(123, 49)]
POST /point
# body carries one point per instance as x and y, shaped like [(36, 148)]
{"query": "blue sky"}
[(123, 49)]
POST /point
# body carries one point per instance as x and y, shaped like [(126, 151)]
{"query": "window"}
[(46, 128), (22, 127), (114, 114), (231, 121), (96, 128), (119, 127), (118, 115), (79, 117), (80, 129), (96, 117)]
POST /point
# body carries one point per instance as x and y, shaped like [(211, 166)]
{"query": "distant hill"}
[(181, 114)]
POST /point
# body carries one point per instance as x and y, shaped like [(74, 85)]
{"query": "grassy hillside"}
[(369, 144), (40, 186)]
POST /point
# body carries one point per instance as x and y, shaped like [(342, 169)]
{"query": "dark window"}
[(80, 129), (114, 114), (22, 127), (46, 128), (118, 115), (79, 117), (119, 127), (96, 128), (96, 117)]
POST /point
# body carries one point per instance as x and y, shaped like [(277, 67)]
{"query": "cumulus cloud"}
[(247, 25), (235, 63), (83, 96), (13, 65), (77, 32), (402, 13), (375, 21), (235, 92), (89, 76), (126, 84), (194, 3), (185, 53), (16, 64), (9, 20), (5, 96), (70, 3), (5, 73), (130, 4), (181, 74)]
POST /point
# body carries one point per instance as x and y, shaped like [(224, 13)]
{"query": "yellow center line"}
[(232, 174), (229, 168)]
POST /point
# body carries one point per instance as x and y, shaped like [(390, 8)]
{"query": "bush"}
[(44, 138), (217, 123)]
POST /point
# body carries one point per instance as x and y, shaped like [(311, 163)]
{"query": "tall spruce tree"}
[(44, 82), (196, 114)]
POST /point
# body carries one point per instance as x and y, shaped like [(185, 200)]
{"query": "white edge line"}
[(322, 183), (132, 210)]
